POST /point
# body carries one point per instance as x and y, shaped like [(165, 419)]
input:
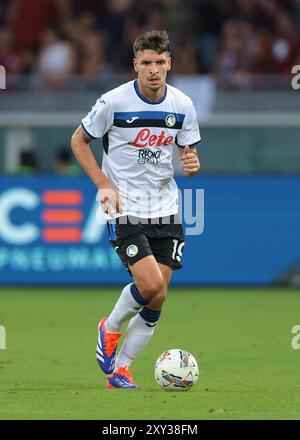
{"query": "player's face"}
[(152, 69)]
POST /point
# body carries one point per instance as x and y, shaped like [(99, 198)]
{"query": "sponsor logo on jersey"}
[(130, 121), (144, 139), (132, 250), (148, 156)]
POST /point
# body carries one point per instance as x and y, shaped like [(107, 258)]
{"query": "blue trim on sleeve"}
[(194, 145), (86, 131)]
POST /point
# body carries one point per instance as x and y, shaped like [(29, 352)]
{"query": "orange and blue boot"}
[(106, 349), (121, 379)]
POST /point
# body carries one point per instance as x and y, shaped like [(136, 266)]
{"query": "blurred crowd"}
[(54, 39), (63, 163)]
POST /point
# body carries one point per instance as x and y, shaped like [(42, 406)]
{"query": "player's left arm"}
[(188, 138), (189, 160)]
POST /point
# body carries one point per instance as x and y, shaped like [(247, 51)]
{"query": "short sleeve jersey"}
[(138, 140)]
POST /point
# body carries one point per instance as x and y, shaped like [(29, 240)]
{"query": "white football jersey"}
[(138, 140)]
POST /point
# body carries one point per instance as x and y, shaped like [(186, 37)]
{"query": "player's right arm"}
[(109, 197)]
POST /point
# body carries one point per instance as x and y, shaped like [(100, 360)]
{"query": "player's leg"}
[(151, 276), (166, 256), (152, 283), (141, 327), (129, 303), (157, 302), (131, 300), (138, 294)]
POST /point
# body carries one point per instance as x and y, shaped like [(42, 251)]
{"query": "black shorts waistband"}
[(166, 220)]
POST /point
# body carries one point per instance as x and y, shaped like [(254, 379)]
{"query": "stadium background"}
[(235, 59)]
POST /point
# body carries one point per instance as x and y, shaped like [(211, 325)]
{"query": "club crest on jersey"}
[(132, 250), (170, 120)]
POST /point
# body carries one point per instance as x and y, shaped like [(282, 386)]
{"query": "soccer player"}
[(141, 122)]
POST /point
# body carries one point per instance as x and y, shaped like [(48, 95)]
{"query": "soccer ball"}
[(176, 370)]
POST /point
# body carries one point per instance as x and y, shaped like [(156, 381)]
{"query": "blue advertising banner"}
[(49, 233), (240, 230), (251, 231)]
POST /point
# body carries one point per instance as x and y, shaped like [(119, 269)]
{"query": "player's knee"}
[(159, 299), (152, 289), (157, 302)]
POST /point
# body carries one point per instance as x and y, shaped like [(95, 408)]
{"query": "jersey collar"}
[(143, 98)]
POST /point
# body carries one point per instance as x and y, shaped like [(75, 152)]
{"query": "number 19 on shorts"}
[(177, 250)]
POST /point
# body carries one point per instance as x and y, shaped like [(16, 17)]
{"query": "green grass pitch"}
[(240, 337)]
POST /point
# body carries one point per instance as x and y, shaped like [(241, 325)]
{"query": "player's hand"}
[(110, 201), (189, 161)]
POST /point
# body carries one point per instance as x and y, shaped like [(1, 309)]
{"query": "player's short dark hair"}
[(153, 40)]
